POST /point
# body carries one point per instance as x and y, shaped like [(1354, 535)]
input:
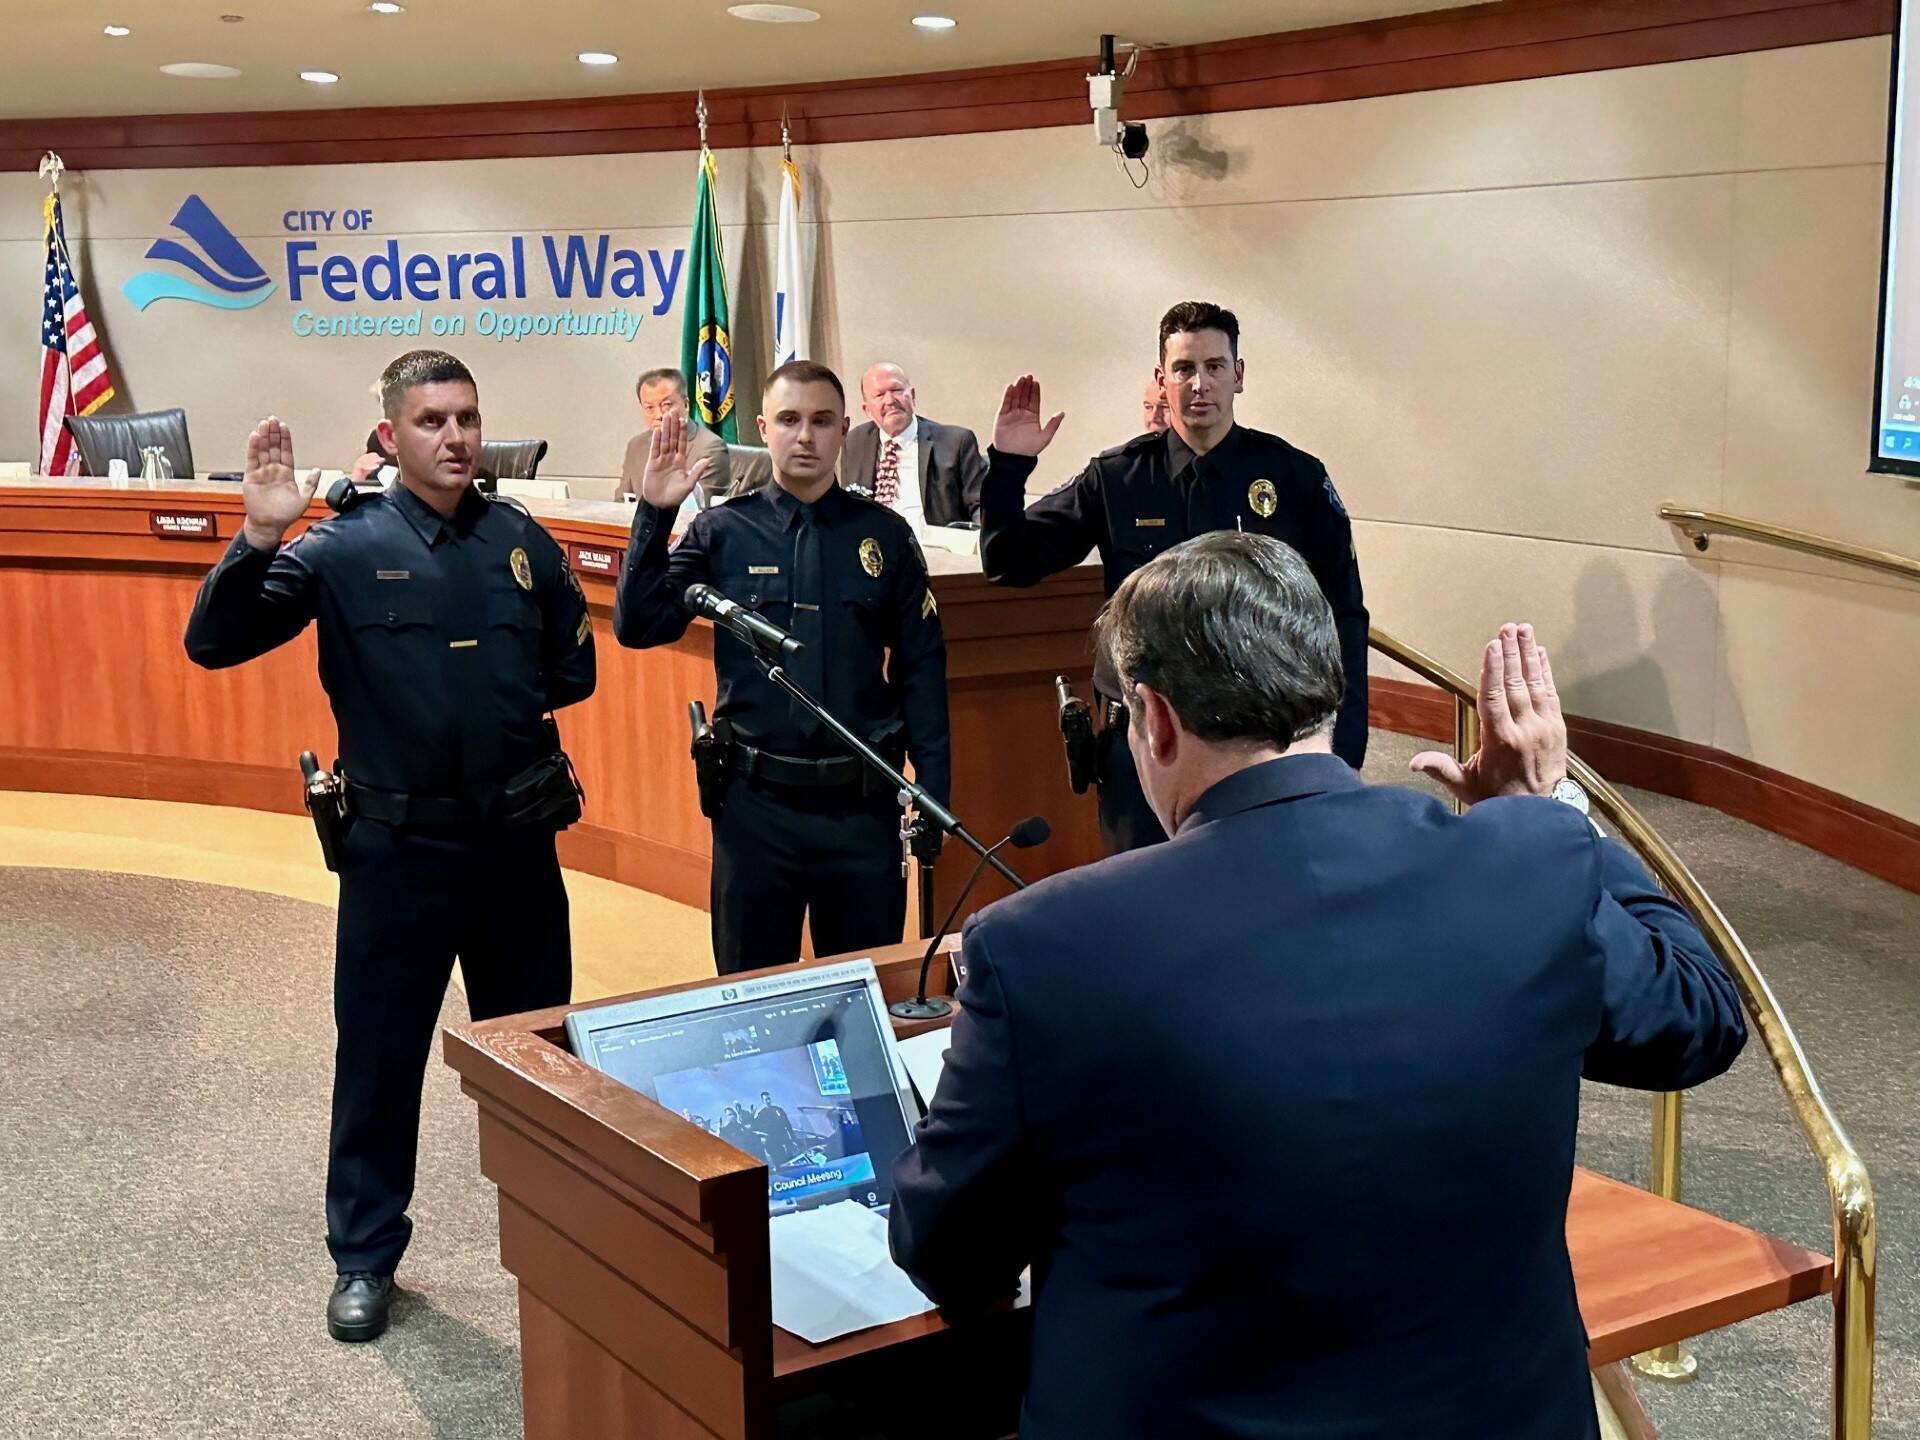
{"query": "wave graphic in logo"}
[(237, 282)]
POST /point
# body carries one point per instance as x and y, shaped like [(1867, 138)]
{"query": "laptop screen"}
[(797, 1071)]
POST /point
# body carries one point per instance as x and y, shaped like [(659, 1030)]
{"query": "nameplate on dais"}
[(182, 524)]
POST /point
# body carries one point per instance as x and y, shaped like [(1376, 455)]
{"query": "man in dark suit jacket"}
[(1282, 1112), (937, 469)]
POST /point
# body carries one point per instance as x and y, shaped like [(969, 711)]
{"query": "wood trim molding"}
[(1435, 50), (1868, 839)]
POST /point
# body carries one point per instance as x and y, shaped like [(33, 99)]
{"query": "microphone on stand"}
[(748, 628), (1031, 831)]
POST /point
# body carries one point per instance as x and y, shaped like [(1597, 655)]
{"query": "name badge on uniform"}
[(1263, 498), (871, 560), (522, 568), (393, 574), (1151, 523), (763, 569)]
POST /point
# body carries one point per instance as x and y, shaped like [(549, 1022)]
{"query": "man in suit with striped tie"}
[(928, 472)]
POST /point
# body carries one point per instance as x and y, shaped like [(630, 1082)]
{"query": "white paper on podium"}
[(925, 1056), (832, 1274)]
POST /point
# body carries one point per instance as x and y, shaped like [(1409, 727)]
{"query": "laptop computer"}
[(799, 1071)]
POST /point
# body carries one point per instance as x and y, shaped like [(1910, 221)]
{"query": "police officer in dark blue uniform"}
[(801, 829), (449, 627), (1140, 499)]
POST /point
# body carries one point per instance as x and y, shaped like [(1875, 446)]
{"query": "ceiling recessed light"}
[(934, 22), (231, 19), (199, 70), (319, 77), (385, 7), (117, 31), (774, 14), (597, 57)]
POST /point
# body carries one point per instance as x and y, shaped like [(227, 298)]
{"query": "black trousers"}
[(1127, 822), (779, 855), (410, 902)]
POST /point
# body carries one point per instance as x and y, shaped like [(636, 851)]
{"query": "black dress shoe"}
[(358, 1309)]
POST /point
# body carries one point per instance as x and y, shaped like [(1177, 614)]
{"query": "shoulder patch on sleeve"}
[(1333, 496)]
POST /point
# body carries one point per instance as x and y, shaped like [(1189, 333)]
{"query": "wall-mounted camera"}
[(1127, 139)]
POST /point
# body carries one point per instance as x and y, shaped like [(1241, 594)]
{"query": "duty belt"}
[(396, 807), (834, 773)]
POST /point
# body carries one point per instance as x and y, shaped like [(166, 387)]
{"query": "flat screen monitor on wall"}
[(1896, 404)]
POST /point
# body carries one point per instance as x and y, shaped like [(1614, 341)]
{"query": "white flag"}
[(792, 295)]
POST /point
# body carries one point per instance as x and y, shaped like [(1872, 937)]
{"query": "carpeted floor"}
[(164, 1048)]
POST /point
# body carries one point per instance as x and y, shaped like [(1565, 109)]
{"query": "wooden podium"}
[(640, 1245)]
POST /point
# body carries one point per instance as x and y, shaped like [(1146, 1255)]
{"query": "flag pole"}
[(700, 114), (51, 167)]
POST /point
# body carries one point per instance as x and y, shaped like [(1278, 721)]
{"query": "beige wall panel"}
[(1806, 279), (1815, 105), (1539, 362), (1632, 634), (1818, 679)]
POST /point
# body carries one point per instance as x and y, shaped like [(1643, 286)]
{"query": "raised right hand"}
[(1017, 429), (273, 496), (1523, 735), (668, 479)]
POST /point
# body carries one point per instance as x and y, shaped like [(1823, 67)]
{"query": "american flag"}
[(73, 367)]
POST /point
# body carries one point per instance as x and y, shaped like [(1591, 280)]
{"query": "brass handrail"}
[(1849, 1192), (1696, 525)]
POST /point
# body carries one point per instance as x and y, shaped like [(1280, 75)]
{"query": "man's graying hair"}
[(1232, 629)]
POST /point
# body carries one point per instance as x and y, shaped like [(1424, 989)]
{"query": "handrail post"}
[(1855, 1249), (1667, 1362), (1466, 738)]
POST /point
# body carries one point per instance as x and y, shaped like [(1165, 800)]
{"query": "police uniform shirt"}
[(1137, 500), (875, 606), (443, 642)]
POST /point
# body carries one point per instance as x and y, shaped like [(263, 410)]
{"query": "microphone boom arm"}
[(924, 803)]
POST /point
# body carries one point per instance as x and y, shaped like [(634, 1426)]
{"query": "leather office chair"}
[(751, 466), (512, 459), (105, 438)]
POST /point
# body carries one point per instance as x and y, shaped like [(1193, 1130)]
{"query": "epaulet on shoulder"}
[(1129, 447), (736, 495), (512, 502)]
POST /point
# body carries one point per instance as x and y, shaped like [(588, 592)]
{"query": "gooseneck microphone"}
[(1031, 831), (749, 629)]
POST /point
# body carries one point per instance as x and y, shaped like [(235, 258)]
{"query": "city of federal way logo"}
[(234, 279)]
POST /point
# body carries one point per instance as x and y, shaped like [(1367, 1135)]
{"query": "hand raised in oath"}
[(1523, 736), (1017, 429), (668, 478), (274, 496)]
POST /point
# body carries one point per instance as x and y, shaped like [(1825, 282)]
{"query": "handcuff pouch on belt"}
[(547, 793)]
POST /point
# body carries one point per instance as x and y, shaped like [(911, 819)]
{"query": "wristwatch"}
[(1567, 791)]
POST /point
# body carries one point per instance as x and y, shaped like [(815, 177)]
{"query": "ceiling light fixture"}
[(199, 70), (774, 14), (231, 19), (597, 57), (117, 31), (319, 77), (385, 7), (934, 22)]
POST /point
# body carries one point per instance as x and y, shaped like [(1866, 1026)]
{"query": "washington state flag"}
[(706, 341)]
